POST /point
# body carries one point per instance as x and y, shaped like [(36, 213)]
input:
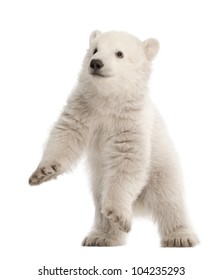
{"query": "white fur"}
[(134, 168)]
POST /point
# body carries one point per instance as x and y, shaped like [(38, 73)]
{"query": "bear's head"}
[(119, 61)]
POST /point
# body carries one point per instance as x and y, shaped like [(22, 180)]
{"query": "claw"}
[(44, 173)]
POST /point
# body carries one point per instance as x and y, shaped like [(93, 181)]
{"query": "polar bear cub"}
[(134, 168)]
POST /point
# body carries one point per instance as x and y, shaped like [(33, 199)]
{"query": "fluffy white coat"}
[(134, 167)]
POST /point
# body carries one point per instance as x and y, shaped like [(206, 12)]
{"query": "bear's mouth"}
[(97, 74), (100, 74)]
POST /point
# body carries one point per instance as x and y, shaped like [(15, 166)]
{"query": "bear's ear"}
[(151, 47), (93, 35)]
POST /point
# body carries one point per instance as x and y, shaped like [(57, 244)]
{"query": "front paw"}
[(44, 172), (119, 216)]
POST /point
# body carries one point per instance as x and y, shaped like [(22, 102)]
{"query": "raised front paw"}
[(119, 216), (44, 172)]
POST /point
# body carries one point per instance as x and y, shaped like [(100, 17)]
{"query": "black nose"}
[(96, 64)]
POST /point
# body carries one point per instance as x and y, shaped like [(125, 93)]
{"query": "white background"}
[(42, 44)]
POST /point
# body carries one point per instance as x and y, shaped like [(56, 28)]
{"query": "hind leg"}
[(104, 231), (167, 207)]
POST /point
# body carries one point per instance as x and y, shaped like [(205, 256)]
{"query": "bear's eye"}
[(95, 51), (119, 54)]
